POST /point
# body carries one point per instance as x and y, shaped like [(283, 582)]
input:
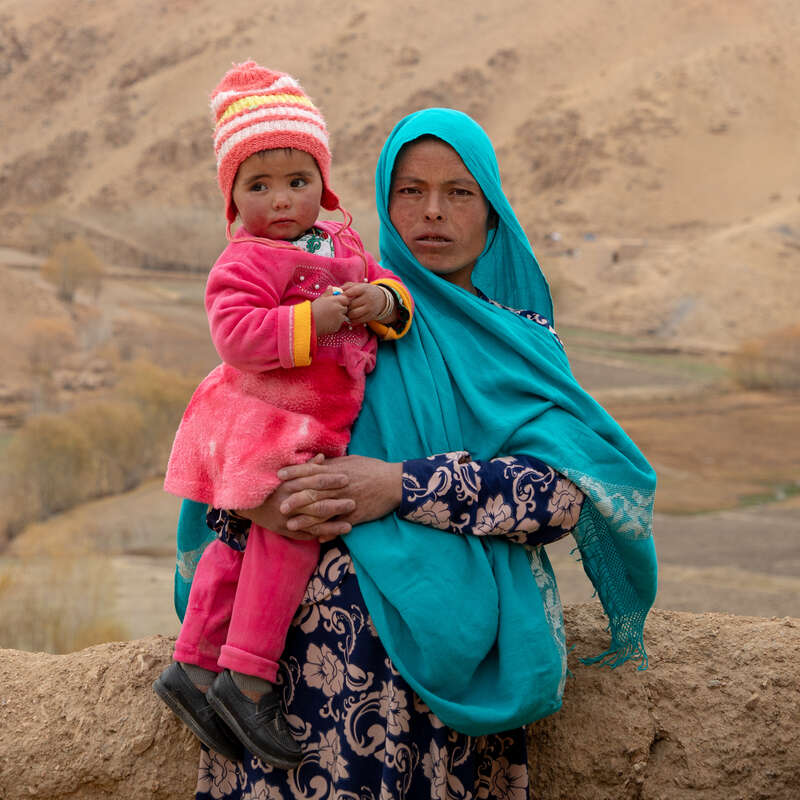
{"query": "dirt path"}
[(745, 561)]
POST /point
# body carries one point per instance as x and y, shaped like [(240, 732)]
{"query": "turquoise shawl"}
[(462, 617)]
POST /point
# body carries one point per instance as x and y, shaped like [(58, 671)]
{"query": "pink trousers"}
[(241, 604)]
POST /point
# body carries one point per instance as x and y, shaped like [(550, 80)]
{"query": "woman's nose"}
[(433, 208)]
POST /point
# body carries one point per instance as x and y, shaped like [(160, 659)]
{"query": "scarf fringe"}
[(626, 615), (617, 655)]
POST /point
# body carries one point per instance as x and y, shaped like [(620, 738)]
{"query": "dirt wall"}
[(715, 717)]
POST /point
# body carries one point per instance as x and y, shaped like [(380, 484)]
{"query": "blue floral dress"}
[(364, 732)]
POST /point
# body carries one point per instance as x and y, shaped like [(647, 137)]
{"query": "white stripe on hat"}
[(226, 98), (265, 112), (296, 126)]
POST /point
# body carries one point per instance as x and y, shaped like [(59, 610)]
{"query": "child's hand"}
[(329, 311), (366, 301)]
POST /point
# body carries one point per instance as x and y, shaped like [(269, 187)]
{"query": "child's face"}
[(277, 193)]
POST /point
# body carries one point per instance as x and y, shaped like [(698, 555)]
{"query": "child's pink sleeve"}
[(251, 330)]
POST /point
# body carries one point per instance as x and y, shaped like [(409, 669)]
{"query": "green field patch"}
[(642, 353), (773, 493)]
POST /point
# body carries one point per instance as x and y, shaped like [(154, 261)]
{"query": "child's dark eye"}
[(258, 187), (298, 183)]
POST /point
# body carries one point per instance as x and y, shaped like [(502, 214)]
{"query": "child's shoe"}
[(190, 705), (260, 726)]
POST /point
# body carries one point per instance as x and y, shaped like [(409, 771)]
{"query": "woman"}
[(419, 654)]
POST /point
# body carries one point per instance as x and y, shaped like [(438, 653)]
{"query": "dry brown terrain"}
[(650, 150), (735, 557), (713, 718)]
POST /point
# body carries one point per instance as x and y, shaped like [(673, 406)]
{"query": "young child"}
[(294, 306)]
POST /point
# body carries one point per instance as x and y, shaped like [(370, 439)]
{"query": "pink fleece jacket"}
[(282, 394)]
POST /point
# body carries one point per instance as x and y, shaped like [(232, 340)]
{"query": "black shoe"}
[(260, 726), (188, 703)]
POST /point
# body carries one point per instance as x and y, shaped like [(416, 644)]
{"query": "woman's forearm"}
[(518, 497)]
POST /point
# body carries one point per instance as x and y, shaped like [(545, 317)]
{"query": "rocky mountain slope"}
[(650, 148)]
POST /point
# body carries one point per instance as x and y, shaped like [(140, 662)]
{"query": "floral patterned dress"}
[(365, 733)]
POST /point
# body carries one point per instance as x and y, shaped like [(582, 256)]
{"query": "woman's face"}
[(439, 210)]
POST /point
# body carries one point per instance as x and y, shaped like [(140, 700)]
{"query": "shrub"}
[(47, 342), (116, 432), (771, 363), (58, 601), (105, 446), (161, 396), (48, 467)]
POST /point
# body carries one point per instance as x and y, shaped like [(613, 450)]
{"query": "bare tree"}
[(73, 265)]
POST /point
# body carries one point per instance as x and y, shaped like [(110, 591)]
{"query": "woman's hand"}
[(316, 495), (367, 300), (374, 487)]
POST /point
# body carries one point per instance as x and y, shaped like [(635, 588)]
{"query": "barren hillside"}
[(657, 140)]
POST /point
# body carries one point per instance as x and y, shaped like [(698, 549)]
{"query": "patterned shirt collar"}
[(315, 241)]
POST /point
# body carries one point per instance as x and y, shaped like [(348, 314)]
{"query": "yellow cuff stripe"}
[(384, 331), (301, 330), (258, 100)]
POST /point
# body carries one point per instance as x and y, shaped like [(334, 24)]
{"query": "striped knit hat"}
[(258, 109)]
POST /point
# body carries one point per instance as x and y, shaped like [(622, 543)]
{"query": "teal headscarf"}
[(462, 617)]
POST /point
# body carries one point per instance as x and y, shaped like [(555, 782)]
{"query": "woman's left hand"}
[(376, 486), (318, 494)]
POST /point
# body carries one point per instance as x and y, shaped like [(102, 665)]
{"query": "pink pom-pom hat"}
[(257, 109)]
